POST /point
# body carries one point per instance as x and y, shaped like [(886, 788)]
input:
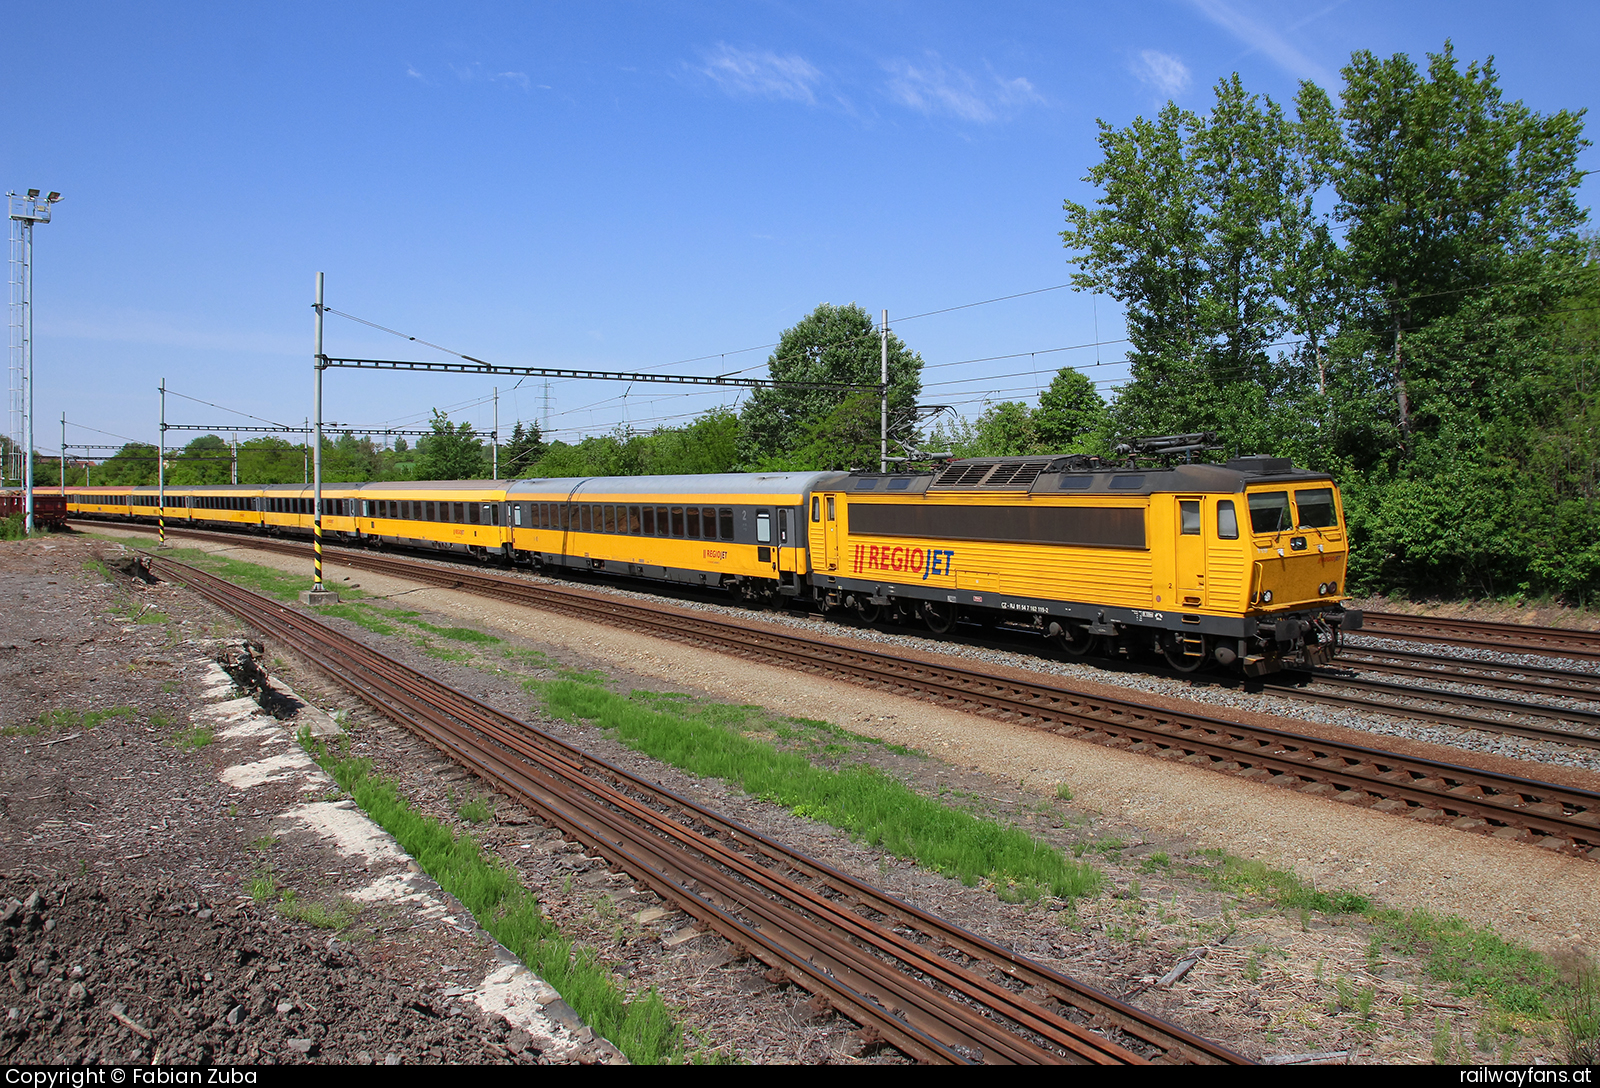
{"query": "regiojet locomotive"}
[(1240, 564)]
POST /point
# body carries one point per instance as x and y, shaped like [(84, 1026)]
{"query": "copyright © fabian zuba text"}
[(135, 1075), (1525, 1075)]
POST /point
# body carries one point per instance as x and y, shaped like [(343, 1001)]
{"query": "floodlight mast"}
[(24, 212)]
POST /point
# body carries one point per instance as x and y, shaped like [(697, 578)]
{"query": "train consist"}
[(1240, 564)]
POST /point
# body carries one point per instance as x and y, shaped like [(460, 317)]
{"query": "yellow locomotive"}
[(1241, 564)]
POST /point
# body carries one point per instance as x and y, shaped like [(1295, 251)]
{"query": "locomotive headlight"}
[(1333, 587), (1266, 596), (1322, 589)]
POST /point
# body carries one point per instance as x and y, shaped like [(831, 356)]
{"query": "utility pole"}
[(234, 448), (494, 436), (318, 593), (161, 474), (63, 455), (305, 455), (883, 399)]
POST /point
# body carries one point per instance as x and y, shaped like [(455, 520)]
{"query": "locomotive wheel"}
[(1182, 662), (1076, 641), (940, 618), (867, 612)]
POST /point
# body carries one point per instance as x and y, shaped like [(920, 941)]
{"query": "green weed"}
[(641, 1027), (475, 811), (711, 739), (190, 739)]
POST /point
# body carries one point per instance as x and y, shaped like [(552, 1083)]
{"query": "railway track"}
[(1575, 726), (1506, 806), (933, 991), (1511, 638)]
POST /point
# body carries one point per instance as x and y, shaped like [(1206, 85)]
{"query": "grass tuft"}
[(642, 1028), (715, 740)]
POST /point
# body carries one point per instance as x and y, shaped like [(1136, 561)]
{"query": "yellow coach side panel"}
[(715, 556), (489, 502)]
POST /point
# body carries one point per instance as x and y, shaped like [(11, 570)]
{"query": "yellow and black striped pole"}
[(316, 546), (161, 474)]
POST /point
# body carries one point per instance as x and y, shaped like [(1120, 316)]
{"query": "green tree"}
[(518, 456), (1462, 216), (836, 344), (1071, 416), (206, 460), (134, 464), (1201, 217), (451, 452)]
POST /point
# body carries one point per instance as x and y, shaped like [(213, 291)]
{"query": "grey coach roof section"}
[(723, 483)]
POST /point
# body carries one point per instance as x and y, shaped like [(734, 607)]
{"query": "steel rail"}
[(1061, 1033), (1433, 791), (1469, 798), (1566, 683), (1514, 638), (1452, 698)]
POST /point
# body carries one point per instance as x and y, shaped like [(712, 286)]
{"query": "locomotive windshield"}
[(1269, 512), (1316, 508)]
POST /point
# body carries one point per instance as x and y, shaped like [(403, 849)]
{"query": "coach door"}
[(1189, 555)]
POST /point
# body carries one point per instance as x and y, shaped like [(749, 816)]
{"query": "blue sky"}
[(613, 185)]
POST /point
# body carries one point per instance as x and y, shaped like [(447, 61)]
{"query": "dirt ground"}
[(1269, 982)]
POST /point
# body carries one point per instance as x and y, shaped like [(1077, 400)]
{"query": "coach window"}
[(816, 508), (649, 521), (1189, 517), (585, 518), (677, 521), (474, 514), (763, 527), (725, 516), (1227, 521), (783, 527), (461, 513), (611, 519), (692, 518), (635, 526)]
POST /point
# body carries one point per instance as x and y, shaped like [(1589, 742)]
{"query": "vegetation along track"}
[(1505, 806), (931, 990)]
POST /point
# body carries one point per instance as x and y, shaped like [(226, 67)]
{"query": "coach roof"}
[(572, 489)]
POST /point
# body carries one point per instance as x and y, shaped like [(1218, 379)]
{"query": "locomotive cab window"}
[(1269, 512), (1315, 508), (1227, 521), (816, 508), (1189, 517)]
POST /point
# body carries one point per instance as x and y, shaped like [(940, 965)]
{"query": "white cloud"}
[(1264, 39), (936, 87), (761, 74), (1163, 71)]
